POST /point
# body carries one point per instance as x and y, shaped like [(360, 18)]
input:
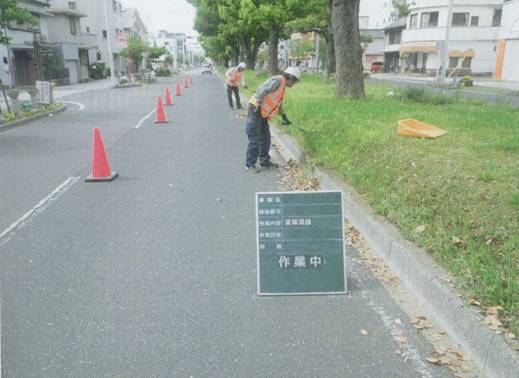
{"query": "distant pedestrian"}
[(263, 106), (234, 77)]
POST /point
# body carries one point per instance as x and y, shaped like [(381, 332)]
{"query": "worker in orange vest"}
[(234, 77), (263, 106)]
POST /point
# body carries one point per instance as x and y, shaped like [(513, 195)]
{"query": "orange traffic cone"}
[(186, 85), (161, 115), (168, 98), (100, 166), (177, 90)]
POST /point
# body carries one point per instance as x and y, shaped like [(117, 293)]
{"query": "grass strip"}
[(456, 196)]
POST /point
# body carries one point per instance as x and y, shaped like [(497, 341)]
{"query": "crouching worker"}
[(234, 77), (263, 106)]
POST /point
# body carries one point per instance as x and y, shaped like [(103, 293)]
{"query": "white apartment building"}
[(95, 23), (376, 14), (169, 42), (76, 48), (507, 54), (475, 29)]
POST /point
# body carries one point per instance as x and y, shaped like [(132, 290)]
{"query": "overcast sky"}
[(171, 15)]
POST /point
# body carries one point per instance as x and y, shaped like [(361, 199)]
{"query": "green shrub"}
[(423, 96), (163, 72), (96, 71)]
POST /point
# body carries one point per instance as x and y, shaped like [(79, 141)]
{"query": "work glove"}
[(285, 120)]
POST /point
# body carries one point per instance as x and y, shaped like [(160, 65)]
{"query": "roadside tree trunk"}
[(252, 54), (235, 56), (348, 51), (330, 44), (273, 50), (243, 49)]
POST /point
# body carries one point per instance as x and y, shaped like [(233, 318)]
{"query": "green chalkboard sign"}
[(300, 243)]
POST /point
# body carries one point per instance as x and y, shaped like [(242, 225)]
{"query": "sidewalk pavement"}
[(67, 90), (478, 82)]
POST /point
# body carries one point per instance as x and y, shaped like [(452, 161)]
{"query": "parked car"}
[(377, 67)]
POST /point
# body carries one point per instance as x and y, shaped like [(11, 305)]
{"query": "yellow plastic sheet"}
[(418, 129)]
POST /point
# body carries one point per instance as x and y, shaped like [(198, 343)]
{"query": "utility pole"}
[(445, 46), (109, 46)]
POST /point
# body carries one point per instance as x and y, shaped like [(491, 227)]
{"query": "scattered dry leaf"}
[(458, 241), (474, 302), (437, 361), (420, 229), (401, 339)]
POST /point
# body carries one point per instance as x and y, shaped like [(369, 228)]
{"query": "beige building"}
[(507, 56)]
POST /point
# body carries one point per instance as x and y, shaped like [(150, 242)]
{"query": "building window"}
[(413, 21), (72, 5), (496, 20), (429, 20), (114, 6), (474, 21), (453, 62), (394, 37), (72, 24), (105, 34), (460, 19), (363, 22), (466, 63)]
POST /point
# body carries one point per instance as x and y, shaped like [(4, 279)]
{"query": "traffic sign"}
[(44, 92), (300, 242)]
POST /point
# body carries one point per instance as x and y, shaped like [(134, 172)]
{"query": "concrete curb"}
[(122, 86), (23, 121), (420, 273)]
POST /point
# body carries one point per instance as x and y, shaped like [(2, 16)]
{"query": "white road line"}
[(38, 209), (409, 352), (78, 104), (145, 118)]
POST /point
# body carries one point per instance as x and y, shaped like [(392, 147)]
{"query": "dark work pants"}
[(236, 91), (258, 132)]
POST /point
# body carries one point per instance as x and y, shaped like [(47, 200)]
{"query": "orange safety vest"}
[(235, 78), (272, 101)]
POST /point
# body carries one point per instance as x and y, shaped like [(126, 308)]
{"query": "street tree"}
[(318, 20), (156, 52), (402, 7), (10, 12), (136, 49), (348, 49)]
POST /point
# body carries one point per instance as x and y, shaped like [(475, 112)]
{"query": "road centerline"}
[(144, 119)]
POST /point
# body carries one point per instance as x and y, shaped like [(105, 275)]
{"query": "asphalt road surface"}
[(154, 274)]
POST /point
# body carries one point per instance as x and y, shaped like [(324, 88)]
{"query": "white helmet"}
[(293, 71), (242, 65)]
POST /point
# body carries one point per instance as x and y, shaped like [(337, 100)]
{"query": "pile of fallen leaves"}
[(445, 353), (296, 178)]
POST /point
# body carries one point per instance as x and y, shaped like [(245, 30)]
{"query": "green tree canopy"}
[(156, 52), (136, 49), (11, 12)]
